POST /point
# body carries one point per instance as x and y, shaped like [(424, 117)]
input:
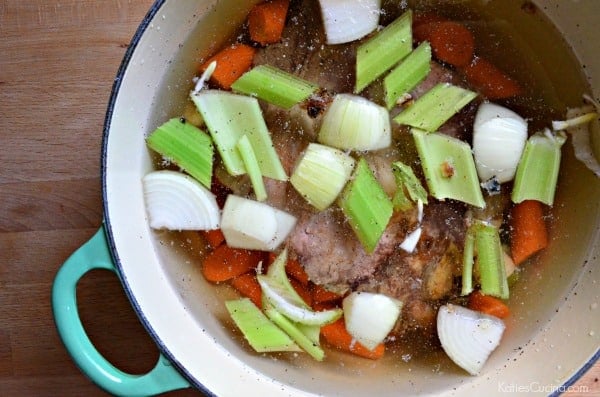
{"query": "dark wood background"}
[(57, 64)]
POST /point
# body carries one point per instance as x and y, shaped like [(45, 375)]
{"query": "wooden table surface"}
[(57, 64)]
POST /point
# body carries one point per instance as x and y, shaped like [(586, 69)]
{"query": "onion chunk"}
[(369, 317), (176, 201), (345, 21), (468, 337), (354, 123), (254, 225), (499, 137)]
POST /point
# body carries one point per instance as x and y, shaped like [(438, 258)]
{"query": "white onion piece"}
[(499, 137), (468, 337), (254, 225), (345, 21), (199, 86), (412, 239), (288, 304), (354, 123), (369, 317), (176, 201)]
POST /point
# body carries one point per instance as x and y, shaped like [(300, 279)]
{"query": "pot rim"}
[(133, 45), (163, 345)]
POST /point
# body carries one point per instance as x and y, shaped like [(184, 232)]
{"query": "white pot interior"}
[(554, 328)]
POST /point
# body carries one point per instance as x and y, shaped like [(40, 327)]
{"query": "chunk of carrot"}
[(224, 263), (488, 305), (214, 238), (267, 20), (322, 306), (303, 291), (337, 336), (232, 62), (452, 43), (423, 32), (293, 269), (320, 295), (424, 25), (489, 80), (247, 285), (528, 232)]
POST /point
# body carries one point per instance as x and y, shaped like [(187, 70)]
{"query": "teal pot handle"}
[(95, 254)]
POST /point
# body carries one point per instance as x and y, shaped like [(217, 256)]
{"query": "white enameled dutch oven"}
[(553, 333)]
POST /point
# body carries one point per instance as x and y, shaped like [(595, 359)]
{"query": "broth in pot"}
[(522, 46)]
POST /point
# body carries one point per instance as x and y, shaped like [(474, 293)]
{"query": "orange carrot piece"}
[(336, 335), (423, 31), (490, 81), (232, 62), (320, 295), (267, 20), (303, 291), (214, 238), (451, 43), (224, 263), (528, 233), (247, 285), (295, 270), (322, 306), (424, 25), (488, 305)]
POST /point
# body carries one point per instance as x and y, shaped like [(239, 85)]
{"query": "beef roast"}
[(332, 255)]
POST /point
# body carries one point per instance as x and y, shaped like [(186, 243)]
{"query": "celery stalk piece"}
[(252, 167), (537, 172), (434, 108), (321, 174), (185, 145), (410, 72), (366, 205), (401, 201), (449, 167), (295, 331), (261, 333), (483, 242), (274, 86), (312, 332), (490, 261), (384, 50), (406, 180), (354, 123), (467, 270), (229, 117)]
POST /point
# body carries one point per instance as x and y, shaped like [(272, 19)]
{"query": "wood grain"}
[(58, 60), (57, 64)]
